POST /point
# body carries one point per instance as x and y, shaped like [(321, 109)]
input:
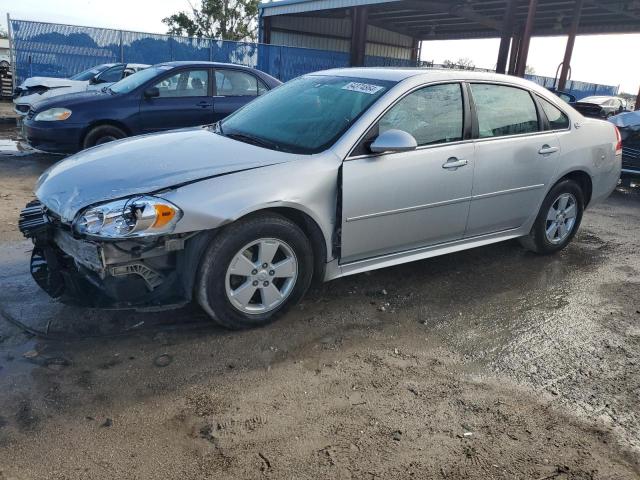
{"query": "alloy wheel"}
[(261, 276), (561, 218)]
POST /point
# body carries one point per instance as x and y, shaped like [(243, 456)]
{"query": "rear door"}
[(234, 89), (516, 158), (185, 100)]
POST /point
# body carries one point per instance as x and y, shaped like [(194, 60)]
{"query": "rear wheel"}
[(558, 219), (102, 134), (253, 271)]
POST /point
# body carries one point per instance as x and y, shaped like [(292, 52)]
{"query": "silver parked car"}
[(331, 174)]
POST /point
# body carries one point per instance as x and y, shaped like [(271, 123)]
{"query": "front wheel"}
[(558, 219), (253, 271), (102, 134)]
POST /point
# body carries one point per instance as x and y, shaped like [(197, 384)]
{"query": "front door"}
[(515, 158), (185, 101), (398, 201), (234, 89)]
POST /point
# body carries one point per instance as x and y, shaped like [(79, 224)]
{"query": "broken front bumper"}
[(118, 274)]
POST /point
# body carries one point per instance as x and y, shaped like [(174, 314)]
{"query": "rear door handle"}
[(546, 150), (453, 163), (204, 104)]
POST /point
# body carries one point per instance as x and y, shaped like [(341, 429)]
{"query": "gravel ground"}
[(490, 363)]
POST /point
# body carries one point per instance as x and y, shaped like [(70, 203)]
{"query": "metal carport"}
[(360, 26)]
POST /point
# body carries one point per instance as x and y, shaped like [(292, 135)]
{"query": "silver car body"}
[(384, 209)]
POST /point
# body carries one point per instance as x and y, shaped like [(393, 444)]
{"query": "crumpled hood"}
[(146, 164), (51, 82)]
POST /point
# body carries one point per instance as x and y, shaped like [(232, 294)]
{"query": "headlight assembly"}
[(130, 217), (53, 115)]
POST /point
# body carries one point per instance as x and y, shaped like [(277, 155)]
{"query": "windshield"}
[(91, 72), (134, 80), (306, 115)]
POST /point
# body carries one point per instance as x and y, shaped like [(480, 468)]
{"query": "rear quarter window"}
[(557, 119)]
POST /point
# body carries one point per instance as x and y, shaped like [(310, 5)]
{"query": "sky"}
[(606, 59)]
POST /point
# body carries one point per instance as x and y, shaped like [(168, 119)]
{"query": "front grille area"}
[(33, 219)]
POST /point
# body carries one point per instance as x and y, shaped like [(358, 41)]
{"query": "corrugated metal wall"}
[(335, 34)]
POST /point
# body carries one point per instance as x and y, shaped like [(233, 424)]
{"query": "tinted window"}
[(90, 73), (112, 75), (233, 83), (306, 115), (557, 119), (432, 115), (135, 80), (187, 83), (504, 110)]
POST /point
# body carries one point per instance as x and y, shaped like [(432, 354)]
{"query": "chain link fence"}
[(57, 50)]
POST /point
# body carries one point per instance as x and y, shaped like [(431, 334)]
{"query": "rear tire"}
[(102, 134), (235, 287), (558, 219)]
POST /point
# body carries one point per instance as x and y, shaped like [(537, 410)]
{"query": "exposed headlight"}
[(130, 217), (53, 115)]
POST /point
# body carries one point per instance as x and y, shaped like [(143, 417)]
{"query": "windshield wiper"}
[(241, 137)]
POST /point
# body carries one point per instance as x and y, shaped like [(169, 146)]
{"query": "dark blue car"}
[(162, 97)]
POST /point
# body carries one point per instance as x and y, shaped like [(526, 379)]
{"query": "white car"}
[(5, 60), (36, 89)]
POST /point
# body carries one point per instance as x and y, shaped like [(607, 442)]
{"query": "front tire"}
[(558, 219), (254, 271), (102, 134)]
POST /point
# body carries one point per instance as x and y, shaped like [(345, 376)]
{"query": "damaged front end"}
[(137, 273)]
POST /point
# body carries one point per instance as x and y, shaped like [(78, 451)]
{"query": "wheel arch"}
[(583, 179), (100, 123), (310, 228)]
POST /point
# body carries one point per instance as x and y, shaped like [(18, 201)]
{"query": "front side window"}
[(557, 119), (187, 83), (306, 115), (90, 73), (112, 75), (503, 110), (233, 83), (432, 115)]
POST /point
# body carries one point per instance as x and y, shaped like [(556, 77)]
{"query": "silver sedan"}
[(332, 174)]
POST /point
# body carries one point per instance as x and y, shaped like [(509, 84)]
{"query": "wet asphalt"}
[(565, 328)]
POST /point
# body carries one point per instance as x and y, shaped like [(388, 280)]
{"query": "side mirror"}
[(152, 92), (94, 80), (393, 141)]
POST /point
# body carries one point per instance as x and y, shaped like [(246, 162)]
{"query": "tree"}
[(223, 19), (465, 63), (3, 33), (529, 70)]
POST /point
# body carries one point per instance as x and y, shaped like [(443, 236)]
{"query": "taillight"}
[(618, 142)]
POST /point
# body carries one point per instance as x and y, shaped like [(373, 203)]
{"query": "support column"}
[(526, 38), (637, 107), (359, 20), (415, 51), (266, 30), (513, 57), (505, 39), (568, 52)]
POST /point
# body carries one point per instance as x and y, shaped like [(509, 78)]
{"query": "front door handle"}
[(453, 163), (546, 150)]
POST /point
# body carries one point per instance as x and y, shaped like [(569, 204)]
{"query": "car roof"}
[(427, 74), (185, 63)]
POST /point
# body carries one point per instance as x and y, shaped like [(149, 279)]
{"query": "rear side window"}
[(557, 119), (504, 110), (432, 115), (233, 83)]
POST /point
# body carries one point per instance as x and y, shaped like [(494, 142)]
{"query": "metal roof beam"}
[(458, 11), (614, 8)]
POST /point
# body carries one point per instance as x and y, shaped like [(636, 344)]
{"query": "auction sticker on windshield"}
[(362, 87)]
